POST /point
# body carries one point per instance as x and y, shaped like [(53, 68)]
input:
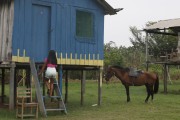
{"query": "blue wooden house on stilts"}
[(73, 28)]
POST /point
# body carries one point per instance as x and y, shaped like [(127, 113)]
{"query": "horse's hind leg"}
[(151, 92), (148, 92), (127, 93)]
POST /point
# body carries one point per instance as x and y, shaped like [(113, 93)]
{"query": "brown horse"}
[(150, 80)]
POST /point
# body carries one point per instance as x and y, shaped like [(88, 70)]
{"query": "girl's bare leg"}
[(51, 86), (47, 85)]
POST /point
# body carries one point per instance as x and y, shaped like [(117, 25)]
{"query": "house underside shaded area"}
[(14, 74)]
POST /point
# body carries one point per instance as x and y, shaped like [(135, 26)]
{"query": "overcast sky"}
[(136, 13)]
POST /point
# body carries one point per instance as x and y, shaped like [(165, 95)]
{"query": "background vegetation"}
[(134, 56)]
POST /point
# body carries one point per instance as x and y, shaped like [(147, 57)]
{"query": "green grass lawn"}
[(114, 105)]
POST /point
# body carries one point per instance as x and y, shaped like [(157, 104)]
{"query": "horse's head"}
[(118, 71), (109, 73)]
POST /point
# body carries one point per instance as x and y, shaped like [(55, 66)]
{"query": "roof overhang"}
[(162, 26), (108, 8)]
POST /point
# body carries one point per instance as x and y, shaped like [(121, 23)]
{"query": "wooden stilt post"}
[(3, 84), (66, 87), (83, 86), (60, 78), (11, 94), (178, 47), (100, 85), (15, 85), (165, 78), (28, 77), (147, 53)]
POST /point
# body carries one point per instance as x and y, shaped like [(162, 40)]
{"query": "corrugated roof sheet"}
[(165, 24)]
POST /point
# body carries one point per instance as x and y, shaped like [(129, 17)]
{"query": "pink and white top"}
[(49, 64)]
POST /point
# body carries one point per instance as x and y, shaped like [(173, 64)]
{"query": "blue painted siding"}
[(57, 30), (28, 26)]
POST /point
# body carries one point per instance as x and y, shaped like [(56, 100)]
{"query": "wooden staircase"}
[(40, 98)]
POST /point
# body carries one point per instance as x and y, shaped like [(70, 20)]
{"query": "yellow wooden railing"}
[(66, 61)]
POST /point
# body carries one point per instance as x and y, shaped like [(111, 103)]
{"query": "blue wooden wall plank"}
[(68, 36), (53, 26), (64, 28), (15, 28), (100, 39), (28, 37), (59, 31), (21, 27)]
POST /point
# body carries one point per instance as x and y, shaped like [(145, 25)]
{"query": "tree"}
[(122, 56), (132, 56), (112, 55), (137, 39)]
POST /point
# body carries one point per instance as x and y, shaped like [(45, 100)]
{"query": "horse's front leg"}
[(127, 93)]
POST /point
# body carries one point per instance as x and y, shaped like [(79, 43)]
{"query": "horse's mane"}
[(121, 68)]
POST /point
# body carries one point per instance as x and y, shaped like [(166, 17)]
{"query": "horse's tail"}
[(156, 85)]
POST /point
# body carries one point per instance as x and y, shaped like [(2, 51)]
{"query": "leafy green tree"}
[(132, 56), (112, 55)]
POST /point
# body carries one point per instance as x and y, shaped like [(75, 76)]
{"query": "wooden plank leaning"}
[(38, 90)]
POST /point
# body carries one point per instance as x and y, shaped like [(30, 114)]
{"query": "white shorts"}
[(50, 72)]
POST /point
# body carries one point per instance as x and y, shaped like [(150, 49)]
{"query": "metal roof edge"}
[(108, 8)]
